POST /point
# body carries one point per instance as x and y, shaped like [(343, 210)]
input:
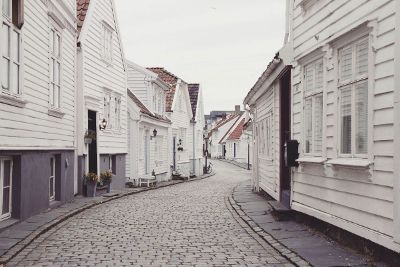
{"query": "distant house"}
[(339, 68), (239, 144), (149, 131), (37, 100), (179, 111), (198, 123), (102, 96)]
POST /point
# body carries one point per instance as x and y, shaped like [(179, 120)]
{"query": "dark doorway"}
[(174, 153), (224, 151), (234, 150), (92, 127), (285, 113)]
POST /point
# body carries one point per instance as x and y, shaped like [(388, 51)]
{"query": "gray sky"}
[(223, 44)]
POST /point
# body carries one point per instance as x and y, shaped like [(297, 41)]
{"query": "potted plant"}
[(90, 136), (91, 180), (106, 178)]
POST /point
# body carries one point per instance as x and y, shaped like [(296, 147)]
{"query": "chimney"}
[(237, 109)]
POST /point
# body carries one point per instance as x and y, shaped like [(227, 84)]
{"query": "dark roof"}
[(82, 7), (144, 109), (237, 133), (194, 96), (171, 80)]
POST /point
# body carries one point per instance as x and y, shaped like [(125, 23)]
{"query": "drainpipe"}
[(194, 146)]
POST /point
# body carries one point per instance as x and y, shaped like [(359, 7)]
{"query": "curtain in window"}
[(362, 57), (318, 124), (361, 104), (345, 110)]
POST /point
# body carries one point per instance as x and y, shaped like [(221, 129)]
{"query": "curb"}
[(235, 164), (285, 252), (14, 251)]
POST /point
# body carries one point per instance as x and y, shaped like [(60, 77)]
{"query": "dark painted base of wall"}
[(30, 180), (118, 169)]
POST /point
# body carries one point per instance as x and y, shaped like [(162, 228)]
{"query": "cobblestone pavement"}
[(184, 225)]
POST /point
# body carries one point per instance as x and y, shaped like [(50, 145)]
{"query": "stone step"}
[(280, 212)]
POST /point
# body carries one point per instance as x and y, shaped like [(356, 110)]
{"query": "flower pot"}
[(91, 189), (88, 140)]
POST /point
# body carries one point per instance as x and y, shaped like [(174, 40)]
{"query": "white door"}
[(6, 166)]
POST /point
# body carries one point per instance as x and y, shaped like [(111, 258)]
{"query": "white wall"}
[(31, 127)]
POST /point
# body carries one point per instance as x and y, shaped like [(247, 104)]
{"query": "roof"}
[(237, 133), (171, 80), (194, 96), (237, 117), (82, 7), (224, 121), (143, 108)]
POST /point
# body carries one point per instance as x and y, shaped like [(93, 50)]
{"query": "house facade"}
[(341, 59), (197, 129), (102, 95), (149, 128), (179, 112), (37, 100)]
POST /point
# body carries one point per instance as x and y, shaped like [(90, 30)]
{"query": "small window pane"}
[(319, 75), (308, 125), (15, 78), (362, 57), (7, 173), (345, 108), (6, 200), (318, 124), (52, 41), (361, 117), (6, 40), (15, 48), (6, 8), (309, 79), (5, 74), (58, 46), (346, 63)]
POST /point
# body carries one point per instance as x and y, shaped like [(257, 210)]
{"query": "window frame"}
[(6, 95), (2, 160), (352, 83), (106, 28), (55, 30), (313, 95), (52, 176)]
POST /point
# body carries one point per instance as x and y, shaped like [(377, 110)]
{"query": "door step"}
[(280, 212)]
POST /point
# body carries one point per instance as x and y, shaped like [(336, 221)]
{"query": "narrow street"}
[(185, 225)]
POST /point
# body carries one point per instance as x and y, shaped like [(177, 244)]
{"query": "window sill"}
[(12, 100), (315, 160), (351, 162), (56, 113)]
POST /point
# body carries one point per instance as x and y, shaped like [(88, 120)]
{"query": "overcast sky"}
[(224, 45)]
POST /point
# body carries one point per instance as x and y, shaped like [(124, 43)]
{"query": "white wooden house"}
[(343, 110), (149, 129), (216, 148), (179, 111), (102, 95), (197, 129), (37, 100)]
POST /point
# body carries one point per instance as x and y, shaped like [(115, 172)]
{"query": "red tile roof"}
[(171, 80), (225, 121), (237, 117), (237, 133), (194, 96), (144, 109), (82, 7)]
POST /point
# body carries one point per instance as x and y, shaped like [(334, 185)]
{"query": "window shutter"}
[(345, 113), (361, 102), (308, 125), (362, 57), (318, 103), (346, 63)]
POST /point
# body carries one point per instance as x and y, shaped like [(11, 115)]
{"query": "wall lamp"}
[(103, 124), (154, 134)]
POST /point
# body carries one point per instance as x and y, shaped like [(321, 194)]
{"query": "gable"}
[(182, 99)]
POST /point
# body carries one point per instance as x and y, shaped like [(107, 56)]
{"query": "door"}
[(92, 127), (52, 179), (234, 150), (285, 135), (6, 166), (174, 153), (223, 151)]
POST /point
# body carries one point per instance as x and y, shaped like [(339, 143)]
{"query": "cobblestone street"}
[(187, 225)]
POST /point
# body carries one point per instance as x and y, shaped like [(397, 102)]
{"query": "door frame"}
[(2, 159)]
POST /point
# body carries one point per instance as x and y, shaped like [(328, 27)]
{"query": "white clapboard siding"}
[(98, 75), (138, 84), (364, 198), (31, 127)]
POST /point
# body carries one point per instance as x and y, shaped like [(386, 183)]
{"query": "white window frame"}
[(117, 111), (6, 95), (107, 108), (107, 56), (2, 160), (52, 177), (352, 82), (313, 95), (55, 31)]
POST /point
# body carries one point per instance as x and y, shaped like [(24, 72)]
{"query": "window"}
[(313, 107), (6, 167), (55, 68), (52, 179), (112, 164), (269, 137), (10, 47), (353, 92), (117, 112), (107, 39), (107, 108)]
